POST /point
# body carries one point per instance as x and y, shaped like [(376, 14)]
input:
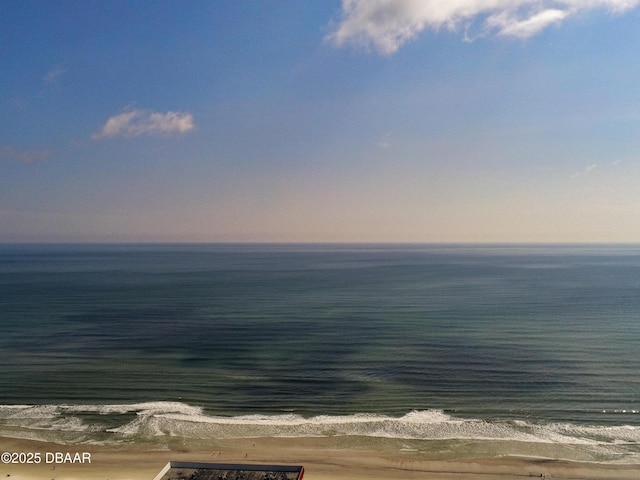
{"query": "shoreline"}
[(323, 458)]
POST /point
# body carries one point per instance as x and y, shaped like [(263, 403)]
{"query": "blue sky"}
[(320, 121)]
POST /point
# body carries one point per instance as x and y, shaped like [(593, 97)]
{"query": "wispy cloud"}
[(385, 140), (388, 24), (588, 169), (508, 23), (54, 74), (28, 156), (133, 123)]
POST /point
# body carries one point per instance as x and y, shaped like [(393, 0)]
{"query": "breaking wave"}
[(156, 422)]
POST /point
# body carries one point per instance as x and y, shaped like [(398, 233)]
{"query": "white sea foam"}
[(146, 408), (154, 421)]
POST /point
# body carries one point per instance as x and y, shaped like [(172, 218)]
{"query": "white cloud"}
[(388, 24), (133, 123), (29, 156), (507, 24), (52, 76), (588, 169), (385, 141)]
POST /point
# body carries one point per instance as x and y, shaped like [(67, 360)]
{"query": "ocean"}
[(145, 343)]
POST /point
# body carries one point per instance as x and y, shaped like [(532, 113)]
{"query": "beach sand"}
[(323, 459)]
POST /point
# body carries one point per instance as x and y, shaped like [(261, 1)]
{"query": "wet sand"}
[(322, 458)]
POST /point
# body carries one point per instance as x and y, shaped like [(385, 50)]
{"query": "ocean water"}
[(144, 343)]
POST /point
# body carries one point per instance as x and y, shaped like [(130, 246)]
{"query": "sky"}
[(320, 121)]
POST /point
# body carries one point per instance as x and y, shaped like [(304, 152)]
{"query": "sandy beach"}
[(323, 459)]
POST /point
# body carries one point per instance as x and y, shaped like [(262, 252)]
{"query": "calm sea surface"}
[(126, 342)]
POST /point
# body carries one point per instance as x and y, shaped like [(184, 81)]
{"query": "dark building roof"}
[(228, 471)]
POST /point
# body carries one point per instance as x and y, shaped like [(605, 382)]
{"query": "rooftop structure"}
[(228, 471)]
